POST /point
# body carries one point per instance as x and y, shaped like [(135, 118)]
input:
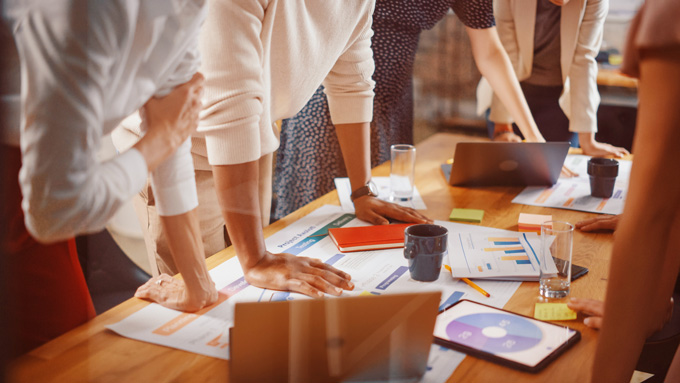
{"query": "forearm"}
[(639, 286), (643, 272), (495, 66), (184, 239), (586, 140), (237, 192), (355, 144)]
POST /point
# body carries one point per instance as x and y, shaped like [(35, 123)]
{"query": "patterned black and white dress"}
[(309, 157)]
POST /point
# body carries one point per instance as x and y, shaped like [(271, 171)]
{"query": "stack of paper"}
[(498, 255), (531, 223)]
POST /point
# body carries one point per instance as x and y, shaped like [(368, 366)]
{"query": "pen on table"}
[(474, 286)]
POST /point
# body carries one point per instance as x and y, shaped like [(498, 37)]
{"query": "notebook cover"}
[(368, 237)]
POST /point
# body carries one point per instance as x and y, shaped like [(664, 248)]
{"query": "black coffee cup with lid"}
[(603, 173)]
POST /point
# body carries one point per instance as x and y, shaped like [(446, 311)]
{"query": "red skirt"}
[(45, 286)]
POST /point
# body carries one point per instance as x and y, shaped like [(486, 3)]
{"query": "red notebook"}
[(362, 238)]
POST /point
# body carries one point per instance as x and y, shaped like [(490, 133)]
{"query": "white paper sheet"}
[(375, 272), (383, 184), (497, 254), (574, 193)]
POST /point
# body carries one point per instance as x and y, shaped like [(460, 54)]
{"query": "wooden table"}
[(612, 77), (91, 353)]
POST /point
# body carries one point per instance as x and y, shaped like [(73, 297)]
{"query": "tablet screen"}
[(501, 333)]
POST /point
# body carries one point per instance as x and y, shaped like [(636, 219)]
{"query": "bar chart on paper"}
[(574, 193), (508, 257)]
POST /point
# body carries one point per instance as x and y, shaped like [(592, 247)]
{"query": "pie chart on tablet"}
[(495, 333)]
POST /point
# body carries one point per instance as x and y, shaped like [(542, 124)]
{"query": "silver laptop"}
[(353, 339), (507, 163)]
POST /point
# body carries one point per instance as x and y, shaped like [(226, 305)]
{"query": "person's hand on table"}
[(172, 293), (568, 173), (308, 276), (377, 211), (591, 307), (595, 310), (504, 133), (607, 222), (594, 148)]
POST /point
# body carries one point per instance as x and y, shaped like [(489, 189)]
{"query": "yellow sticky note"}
[(553, 311)]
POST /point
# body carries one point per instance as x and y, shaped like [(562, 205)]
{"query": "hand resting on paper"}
[(377, 212), (308, 276), (606, 222), (594, 148), (173, 293), (595, 311), (568, 173)]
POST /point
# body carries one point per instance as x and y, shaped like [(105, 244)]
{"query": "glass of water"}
[(556, 242), (402, 172)]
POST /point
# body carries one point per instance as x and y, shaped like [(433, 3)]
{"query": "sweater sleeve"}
[(234, 87), (349, 86), (66, 191)]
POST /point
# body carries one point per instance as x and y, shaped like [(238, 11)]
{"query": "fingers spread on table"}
[(593, 322), (598, 223), (587, 306), (298, 285), (331, 274)]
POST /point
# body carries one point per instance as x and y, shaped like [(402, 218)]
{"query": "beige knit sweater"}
[(263, 60)]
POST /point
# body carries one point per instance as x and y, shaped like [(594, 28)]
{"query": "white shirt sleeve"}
[(173, 181), (65, 63)]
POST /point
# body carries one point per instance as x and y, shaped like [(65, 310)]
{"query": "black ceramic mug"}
[(425, 247), (603, 173)]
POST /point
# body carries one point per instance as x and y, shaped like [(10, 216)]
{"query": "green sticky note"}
[(553, 311), (467, 215)]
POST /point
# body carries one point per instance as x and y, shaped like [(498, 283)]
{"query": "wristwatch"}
[(369, 189)]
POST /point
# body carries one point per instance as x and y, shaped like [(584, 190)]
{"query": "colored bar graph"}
[(514, 258), (523, 262), (569, 202), (506, 243), (514, 251), (503, 239), (480, 268), (488, 266), (504, 248)]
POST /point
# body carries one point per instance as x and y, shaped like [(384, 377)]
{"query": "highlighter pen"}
[(474, 286)]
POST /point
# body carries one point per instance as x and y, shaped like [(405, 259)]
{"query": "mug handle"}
[(410, 249)]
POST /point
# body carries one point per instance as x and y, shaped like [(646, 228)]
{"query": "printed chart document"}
[(383, 184), (498, 254), (373, 273), (574, 193)]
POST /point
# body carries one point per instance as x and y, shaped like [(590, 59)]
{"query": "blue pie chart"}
[(494, 332)]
